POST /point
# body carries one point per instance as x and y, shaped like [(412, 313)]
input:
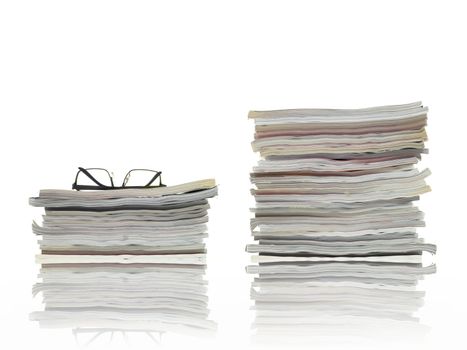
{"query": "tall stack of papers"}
[(334, 221), (125, 259), (339, 183)]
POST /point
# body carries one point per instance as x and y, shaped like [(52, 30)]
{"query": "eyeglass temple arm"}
[(88, 174), (154, 178)]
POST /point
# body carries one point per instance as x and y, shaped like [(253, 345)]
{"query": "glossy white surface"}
[(169, 85)]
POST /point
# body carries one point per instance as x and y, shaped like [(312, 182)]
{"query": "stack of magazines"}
[(339, 183), (125, 259), (334, 223)]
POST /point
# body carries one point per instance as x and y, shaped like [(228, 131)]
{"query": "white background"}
[(168, 85)]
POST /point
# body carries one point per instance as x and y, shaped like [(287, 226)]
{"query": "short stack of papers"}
[(125, 259)]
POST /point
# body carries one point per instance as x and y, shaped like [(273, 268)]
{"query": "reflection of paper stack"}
[(332, 300), (153, 298), (130, 259)]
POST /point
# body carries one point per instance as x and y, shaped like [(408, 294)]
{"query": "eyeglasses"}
[(101, 179)]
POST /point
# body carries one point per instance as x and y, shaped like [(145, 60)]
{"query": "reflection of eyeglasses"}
[(101, 179), (154, 335)]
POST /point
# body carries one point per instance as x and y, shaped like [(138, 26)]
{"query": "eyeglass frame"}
[(101, 186)]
